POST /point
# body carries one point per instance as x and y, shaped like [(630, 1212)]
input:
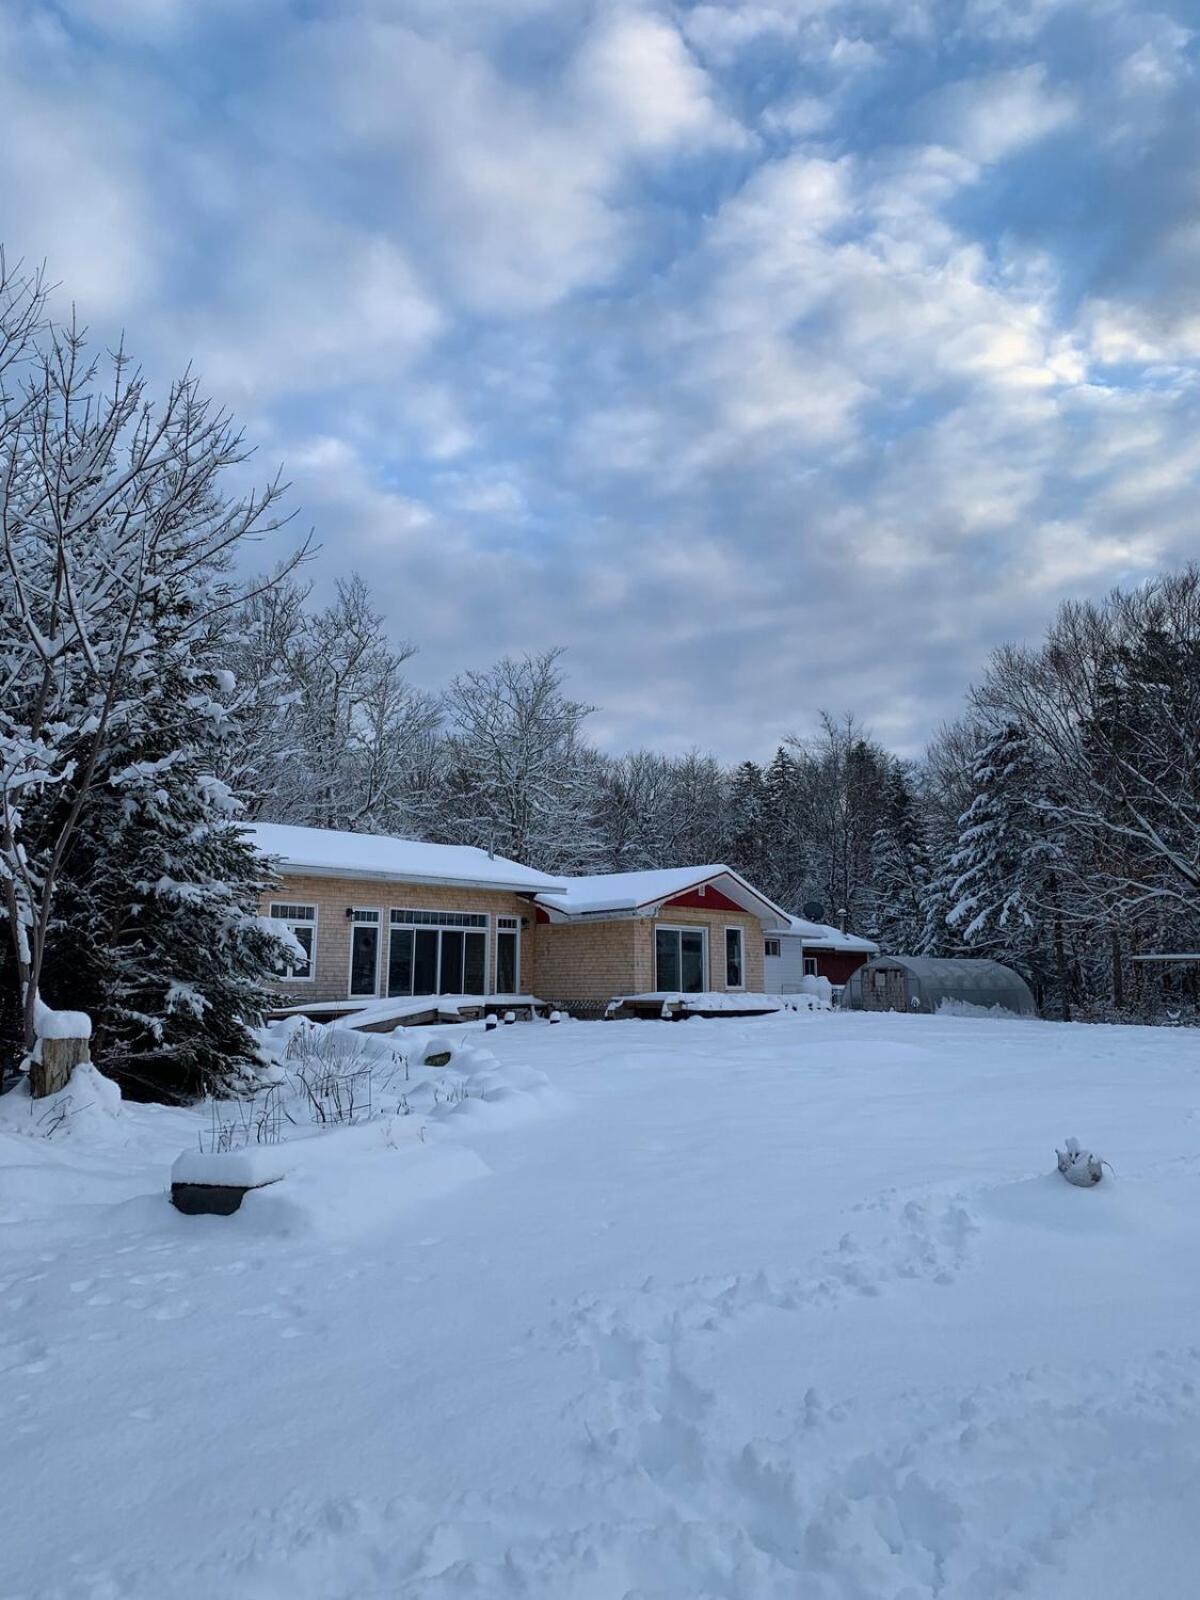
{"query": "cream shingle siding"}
[(583, 964), (332, 896), (586, 963), (716, 922), (572, 964)]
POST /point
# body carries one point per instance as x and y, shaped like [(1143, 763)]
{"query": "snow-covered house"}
[(686, 930), (389, 918), (811, 949)]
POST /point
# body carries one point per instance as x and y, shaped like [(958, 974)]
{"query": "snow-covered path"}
[(753, 1309)]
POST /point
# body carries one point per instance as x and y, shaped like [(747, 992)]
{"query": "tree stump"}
[(56, 1060)]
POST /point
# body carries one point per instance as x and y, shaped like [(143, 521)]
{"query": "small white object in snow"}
[(1079, 1166), (510, 1016), (491, 1021)]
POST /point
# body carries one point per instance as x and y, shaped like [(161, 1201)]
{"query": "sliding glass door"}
[(437, 952), (680, 960)]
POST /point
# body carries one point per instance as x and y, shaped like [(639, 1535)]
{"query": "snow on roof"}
[(370, 855), (822, 936), (608, 893)]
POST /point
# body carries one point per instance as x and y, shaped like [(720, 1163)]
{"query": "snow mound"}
[(965, 1008), (86, 1108)]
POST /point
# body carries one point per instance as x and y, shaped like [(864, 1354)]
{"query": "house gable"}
[(704, 898)]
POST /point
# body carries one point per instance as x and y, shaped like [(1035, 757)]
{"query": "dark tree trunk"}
[(1118, 976)]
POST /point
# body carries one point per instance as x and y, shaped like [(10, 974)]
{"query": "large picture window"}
[(436, 952), (301, 922), (679, 960)]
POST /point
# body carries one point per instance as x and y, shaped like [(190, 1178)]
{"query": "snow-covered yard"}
[(794, 1306)]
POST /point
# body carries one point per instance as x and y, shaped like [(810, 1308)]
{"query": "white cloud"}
[(635, 82), (556, 352), (73, 184), (518, 194), (320, 307), (992, 116)]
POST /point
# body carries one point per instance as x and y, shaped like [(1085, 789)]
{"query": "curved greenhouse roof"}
[(922, 983)]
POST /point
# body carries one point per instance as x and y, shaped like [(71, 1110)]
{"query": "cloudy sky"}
[(768, 355)]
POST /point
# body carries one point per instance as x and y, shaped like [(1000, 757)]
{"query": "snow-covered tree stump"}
[(63, 1043)]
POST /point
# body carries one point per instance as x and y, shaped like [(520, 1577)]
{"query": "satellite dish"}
[(814, 911)]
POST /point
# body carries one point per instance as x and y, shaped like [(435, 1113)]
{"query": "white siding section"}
[(782, 973)]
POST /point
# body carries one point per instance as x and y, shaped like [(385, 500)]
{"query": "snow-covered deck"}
[(380, 1016), (670, 1003)]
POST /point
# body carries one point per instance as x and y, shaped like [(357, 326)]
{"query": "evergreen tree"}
[(900, 869), (747, 838), (159, 934), (1006, 889), (125, 888), (787, 863)]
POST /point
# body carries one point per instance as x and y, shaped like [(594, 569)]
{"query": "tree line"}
[(1054, 826), (149, 701)]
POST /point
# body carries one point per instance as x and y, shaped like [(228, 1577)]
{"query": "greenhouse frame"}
[(923, 983)]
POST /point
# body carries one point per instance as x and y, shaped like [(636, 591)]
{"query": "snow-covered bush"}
[(335, 1075)]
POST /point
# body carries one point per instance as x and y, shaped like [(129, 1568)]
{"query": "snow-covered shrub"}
[(245, 1121), (335, 1075)]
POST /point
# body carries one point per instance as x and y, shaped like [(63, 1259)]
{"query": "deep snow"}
[(792, 1306)]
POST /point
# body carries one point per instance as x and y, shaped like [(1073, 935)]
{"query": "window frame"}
[(436, 920), (435, 917), (681, 928), (291, 923), (739, 987), (809, 967), (361, 917), (775, 954), (506, 924)]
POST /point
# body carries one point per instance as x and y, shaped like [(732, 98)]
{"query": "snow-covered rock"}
[(246, 1169), (1079, 1166)]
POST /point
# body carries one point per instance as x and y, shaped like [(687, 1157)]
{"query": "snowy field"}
[(786, 1307)]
